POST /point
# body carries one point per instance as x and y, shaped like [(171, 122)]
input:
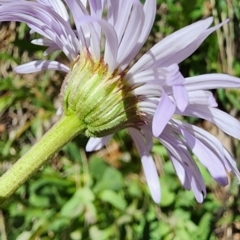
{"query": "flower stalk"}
[(59, 135)]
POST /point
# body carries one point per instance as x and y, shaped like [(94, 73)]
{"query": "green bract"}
[(102, 100)]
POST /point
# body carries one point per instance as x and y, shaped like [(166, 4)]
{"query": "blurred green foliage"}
[(103, 195)]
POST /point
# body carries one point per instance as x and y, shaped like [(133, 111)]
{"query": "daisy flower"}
[(105, 93)]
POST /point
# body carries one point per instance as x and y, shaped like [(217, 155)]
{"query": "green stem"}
[(58, 136)]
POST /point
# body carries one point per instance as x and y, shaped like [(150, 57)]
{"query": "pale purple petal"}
[(132, 33), (148, 165), (124, 11), (111, 43), (198, 193), (150, 90), (96, 10), (156, 75), (84, 27), (178, 152), (152, 178), (45, 21), (202, 97), (95, 144), (231, 164), (205, 137), (148, 136), (149, 7), (224, 121), (50, 50), (149, 106), (40, 65), (211, 81), (58, 7), (207, 157), (181, 97), (138, 139), (171, 45), (191, 179), (96, 7), (214, 144), (43, 42), (164, 112), (173, 76), (191, 48), (175, 79), (180, 171), (177, 146), (78, 11), (82, 18), (52, 46), (8, 1), (59, 111), (84, 2)]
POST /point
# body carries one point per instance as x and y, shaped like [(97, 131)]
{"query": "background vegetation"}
[(103, 195)]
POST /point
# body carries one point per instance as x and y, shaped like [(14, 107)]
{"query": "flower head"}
[(108, 94)]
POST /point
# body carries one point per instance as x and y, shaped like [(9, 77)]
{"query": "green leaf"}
[(49, 180), (181, 216), (134, 188), (76, 204), (76, 235), (160, 149), (116, 200), (167, 198), (164, 228), (39, 201), (96, 233), (184, 198), (97, 166), (204, 226), (23, 236), (111, 179), (58, 224), (233, 99), (73, 151), (5, 101), (168, 186)]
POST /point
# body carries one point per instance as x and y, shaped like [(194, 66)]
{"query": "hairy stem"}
[(58, 136)]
